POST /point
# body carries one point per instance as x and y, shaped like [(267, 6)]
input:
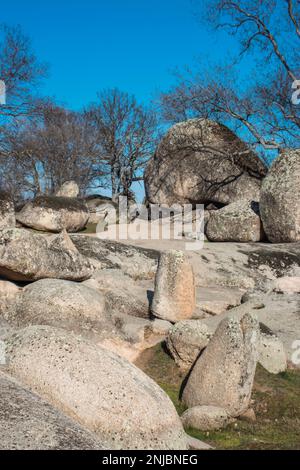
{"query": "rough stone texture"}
[(223, 375), (134, 335), (202, 161), (205, 418), (280, 198), (29, 423), (216, 300), (54, 214), (8, 293), (278, 312), (134, 261), (122, 293), (7, 212), (287, 285), (62, 304), (186, 340), (102, 208), (27, 256), (68, 189), (237, 222), (174, 293), (272, 355), (97, 388)]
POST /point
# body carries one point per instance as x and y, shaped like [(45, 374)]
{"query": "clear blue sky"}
[(130, 44)]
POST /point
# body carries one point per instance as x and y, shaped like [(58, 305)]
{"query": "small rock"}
[(248, 416), (205, 418), (186, 340)]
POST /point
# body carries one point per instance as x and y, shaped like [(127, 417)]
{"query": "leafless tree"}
[(58, 146), (20, 71), (262, 112), (127, 135)]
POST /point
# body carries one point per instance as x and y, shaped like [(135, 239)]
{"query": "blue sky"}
[(130, 44)]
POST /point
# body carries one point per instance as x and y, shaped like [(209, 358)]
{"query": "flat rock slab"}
[(29, 423), (216, 300), (135, 261)]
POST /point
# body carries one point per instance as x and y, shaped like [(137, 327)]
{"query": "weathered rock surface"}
[(287, 285), (217, 300), (280, 198), (202, 161), (278, 312), (272, 355), (29, 423), (8, 293), (122, 293), (186, 340), (7, 211), (63, 304), (205, 418), (68, 189), (27, 256), (237, 222), (136, 262), (223, 375), (54, 214), (99, 389), (102, 208), (174, 293)]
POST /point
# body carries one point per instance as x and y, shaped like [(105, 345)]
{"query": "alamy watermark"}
[(156, 222)]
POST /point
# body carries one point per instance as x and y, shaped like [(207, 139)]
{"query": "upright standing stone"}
[(223, 375), (174, 294)]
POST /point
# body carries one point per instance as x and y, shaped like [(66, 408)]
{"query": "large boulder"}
[(280, 198), (237, 222), (134, 261), (223, 375), (201, 161), (174, 293), (97, 388), (7, 211), (54, 214), (68, 189), (186, 340), (27, 256), (60, 303), (29, 423)]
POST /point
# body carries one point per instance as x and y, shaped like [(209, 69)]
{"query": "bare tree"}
[(262, 112), (20, 71), (126, 133), (59, 146)]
